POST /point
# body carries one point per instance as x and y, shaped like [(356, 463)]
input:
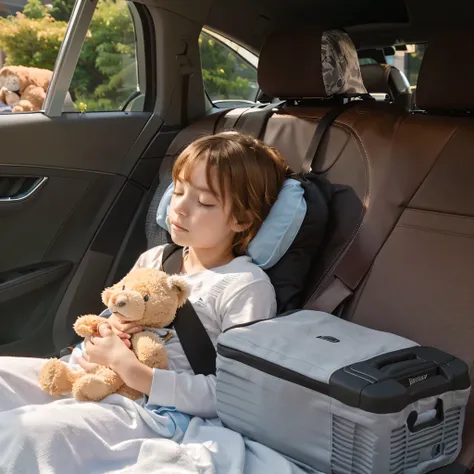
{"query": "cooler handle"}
[(412, 419), (393, 358)]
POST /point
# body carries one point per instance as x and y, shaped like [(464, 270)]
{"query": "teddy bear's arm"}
[(88, 325), (150, 350)]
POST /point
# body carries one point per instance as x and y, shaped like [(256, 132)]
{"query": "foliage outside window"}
[(226, 74), (106, 73)]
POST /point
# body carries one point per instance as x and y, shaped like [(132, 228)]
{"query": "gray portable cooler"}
[(342, 398)]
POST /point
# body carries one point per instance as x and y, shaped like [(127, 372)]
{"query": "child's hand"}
[(107, 349), (123, 329), (87, 366)]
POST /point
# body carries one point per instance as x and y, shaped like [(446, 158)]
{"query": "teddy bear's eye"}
[(123, 288), (146, 298)]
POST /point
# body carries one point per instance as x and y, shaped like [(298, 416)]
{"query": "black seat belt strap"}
[(320, 132), (195, 340), (337, 291)]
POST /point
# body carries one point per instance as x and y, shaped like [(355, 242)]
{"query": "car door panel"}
[(59, 243), (84, 227), (25, 294), (96, 141)]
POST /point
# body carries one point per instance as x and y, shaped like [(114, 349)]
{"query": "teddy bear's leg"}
[(35, 95), (95, 387), (56, 378), (149, 350), (23, 106)]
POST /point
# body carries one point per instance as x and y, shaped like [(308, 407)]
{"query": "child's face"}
[(197, 218)]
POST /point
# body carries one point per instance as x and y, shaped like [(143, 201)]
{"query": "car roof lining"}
[(370, 23)]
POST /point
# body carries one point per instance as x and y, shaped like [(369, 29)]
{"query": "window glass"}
[(364, 61), (106, 77), (409, 61), (30, 36), (229, 71)]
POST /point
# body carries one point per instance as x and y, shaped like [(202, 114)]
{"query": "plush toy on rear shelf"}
[(24, 88), (146, 296)]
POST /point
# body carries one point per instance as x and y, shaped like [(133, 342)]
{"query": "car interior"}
[(78, 198), (389, 81)]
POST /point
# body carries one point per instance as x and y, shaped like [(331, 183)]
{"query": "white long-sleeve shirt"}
[(235, 293)]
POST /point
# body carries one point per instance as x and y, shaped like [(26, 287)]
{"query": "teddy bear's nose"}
[(121, 301)]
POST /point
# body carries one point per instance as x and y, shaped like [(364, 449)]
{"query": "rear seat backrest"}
[(421, 284), (386, 79)]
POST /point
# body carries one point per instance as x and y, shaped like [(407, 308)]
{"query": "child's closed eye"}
[(206, 204)]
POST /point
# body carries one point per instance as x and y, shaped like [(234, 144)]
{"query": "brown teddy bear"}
[(24, 88), (148, 296)]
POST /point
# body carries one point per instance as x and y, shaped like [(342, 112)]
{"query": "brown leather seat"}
[(413, 176), (421, 284), (388, 80)]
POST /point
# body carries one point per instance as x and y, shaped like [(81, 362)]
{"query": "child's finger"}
[(130, 328), (134, 330), (87, 366), (125, 338), (102, 326), (105, 329)]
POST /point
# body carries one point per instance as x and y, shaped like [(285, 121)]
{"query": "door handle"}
[(19, 188)]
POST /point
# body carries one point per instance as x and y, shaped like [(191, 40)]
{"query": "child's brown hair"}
[(253, 171)]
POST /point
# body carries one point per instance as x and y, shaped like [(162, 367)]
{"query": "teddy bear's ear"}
[(106, 295), (3, 75), (176, 283)]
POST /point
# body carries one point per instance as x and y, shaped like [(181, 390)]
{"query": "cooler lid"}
[(390, 382)]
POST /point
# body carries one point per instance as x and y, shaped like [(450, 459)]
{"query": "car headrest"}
[(386, 79), (310, 64), (444, 81)]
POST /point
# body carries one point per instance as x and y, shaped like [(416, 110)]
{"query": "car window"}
[(106, 76), (408, 61), (228, 70), (31, 33), (364, 61)]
